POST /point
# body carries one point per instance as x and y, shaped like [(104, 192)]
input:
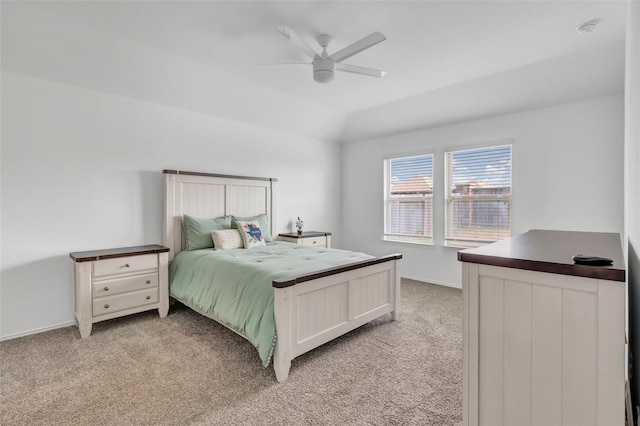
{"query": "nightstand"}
[(311, 238), (122, 281)]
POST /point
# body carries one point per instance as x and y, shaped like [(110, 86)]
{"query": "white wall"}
[(81, 170), (48, 41), (567, 174)]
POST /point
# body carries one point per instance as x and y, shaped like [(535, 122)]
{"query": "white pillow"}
[(251, 233), (225, 239)]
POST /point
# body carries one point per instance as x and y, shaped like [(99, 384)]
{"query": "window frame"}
[(449, 198), (403, 238)]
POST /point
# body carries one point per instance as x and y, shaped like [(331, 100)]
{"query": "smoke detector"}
[(587, 27)]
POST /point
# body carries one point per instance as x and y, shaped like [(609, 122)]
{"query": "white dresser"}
[(544, 338), (310, 238), (116, 282)]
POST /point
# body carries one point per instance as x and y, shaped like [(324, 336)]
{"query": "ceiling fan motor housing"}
[(323, 69)]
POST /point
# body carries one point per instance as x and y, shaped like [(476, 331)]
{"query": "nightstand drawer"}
[(316, 241), (120, 302), (310, 238), (124, 265), (122, 285)]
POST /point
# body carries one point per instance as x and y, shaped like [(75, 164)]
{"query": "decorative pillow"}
[(262, 219), (226, 239), (197, 231), (251, 233)]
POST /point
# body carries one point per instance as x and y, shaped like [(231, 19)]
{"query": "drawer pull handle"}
[(148, 281), (106, 306), (148, 297), (106, 289), (126, 265)]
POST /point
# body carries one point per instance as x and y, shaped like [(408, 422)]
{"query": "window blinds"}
[(408, 199), (478, 195)]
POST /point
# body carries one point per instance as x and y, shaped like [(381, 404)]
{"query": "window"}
[(408, 199), (477, 196)]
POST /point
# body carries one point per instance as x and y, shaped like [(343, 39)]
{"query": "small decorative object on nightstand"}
[(299, 225), (310, 238), (116, 282)]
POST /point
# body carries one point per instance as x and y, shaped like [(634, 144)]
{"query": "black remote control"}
[(586, 259)]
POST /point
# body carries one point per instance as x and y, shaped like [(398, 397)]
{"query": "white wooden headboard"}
[(205, 195)]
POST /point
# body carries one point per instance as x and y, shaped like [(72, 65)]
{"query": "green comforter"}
[(234, 287)]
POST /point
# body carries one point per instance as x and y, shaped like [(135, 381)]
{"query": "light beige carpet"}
[(188, 370)]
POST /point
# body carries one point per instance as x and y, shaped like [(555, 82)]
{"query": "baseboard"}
[(36, 331), (422, 280), (67, 324)]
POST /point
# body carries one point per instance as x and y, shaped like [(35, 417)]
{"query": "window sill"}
[(463, 247), (412, 243), (455, 247)]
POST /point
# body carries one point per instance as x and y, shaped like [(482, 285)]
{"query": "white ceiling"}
[(432, 47)]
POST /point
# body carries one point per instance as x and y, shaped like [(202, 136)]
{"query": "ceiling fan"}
[(325, 65)]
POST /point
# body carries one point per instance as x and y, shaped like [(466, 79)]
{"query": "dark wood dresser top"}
[(306, 234), (87, 256), (552, 251)]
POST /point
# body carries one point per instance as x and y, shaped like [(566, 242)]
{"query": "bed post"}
[(395, 314), (163, 265), (272, 208), (168, 236), (282, 314)]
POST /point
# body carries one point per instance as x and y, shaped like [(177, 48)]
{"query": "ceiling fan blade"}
[(360, 70), (290, 35), (284, 63), (358, 46)]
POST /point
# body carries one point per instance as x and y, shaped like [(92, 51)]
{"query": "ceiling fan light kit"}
[(325, 65), (323, 70)]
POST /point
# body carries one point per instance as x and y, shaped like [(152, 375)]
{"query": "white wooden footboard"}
[(314, 309)]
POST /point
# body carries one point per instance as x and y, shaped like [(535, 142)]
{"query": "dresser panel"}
[(546, 355), (540, 341), (517, 353)]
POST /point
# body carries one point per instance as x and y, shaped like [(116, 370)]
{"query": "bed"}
[(303, 296)]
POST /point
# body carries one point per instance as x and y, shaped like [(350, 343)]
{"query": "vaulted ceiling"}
[(447, 61)]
